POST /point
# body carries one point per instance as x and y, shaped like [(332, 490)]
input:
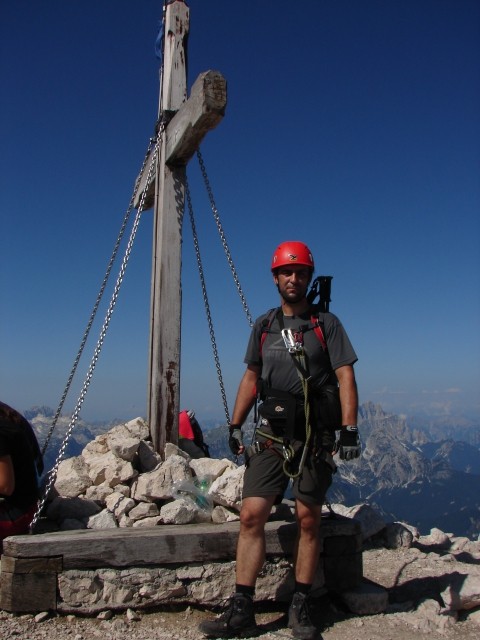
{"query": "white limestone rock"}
[(122, 444), (436, 538), (158, 484), (211, 468), (173, 450), (222, 514), (95, 448), (148, 459), (181, 511), (118, 504), (98, 493), (72, 477), (463, 590), (108, 469), (147, 522), (103, 520), (138, 428), (370, 520), (227, 489), (144, 510)]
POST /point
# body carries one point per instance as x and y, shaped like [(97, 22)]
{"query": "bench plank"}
[(166, 544)]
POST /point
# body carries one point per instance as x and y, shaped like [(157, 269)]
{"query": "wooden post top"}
[(173, 84)]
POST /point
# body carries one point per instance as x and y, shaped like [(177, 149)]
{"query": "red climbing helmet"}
[(292, 252)]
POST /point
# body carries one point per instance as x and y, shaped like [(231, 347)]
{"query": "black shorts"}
[(265, 476)]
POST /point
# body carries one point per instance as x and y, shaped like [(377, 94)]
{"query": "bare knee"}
[(254, 513), (250, 519), (308, 519)]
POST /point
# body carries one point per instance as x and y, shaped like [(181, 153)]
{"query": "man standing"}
[(289, 365)]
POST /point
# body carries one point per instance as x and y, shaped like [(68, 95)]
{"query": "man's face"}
[(292, 282)]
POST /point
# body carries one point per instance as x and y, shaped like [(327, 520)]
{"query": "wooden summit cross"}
[(190, 121)]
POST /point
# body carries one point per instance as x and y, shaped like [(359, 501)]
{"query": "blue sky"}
[(352, 125)]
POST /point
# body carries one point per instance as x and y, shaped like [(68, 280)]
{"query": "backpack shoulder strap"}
[(266, 324), (319, 328)]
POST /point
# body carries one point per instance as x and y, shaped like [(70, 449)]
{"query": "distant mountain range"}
[(425, 472)]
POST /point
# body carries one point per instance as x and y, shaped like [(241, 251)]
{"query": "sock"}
[(301, 587), (245, 590)]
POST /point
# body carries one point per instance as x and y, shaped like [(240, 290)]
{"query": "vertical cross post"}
[(190, 121), (166, 293)]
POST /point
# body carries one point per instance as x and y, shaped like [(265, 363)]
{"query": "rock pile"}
[(436, 575), (119, 481)]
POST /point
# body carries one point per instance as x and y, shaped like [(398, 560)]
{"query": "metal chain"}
[(53, 473), (223, 239), (98, 300), (161, 124), (207, 305)]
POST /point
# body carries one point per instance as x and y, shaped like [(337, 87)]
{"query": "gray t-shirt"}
[(278, 369)]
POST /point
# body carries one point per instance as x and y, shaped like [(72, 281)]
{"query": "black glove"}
[(348, 443), (235, 440)]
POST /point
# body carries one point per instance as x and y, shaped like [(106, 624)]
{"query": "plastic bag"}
[(197, 490)]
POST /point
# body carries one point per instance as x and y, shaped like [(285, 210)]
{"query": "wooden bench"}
[(31, 564)]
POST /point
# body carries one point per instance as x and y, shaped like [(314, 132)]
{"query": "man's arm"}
[(348, 444), (244, 402), (348, 394), (245, 395)]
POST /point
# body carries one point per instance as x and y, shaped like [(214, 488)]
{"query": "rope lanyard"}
[(294, 345), (288, 451), (308, 428)]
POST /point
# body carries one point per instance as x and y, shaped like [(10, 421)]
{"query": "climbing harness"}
[(288, 452), (294, 344)]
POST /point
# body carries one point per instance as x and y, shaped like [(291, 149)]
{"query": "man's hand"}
[(349, 445), (235, 440)]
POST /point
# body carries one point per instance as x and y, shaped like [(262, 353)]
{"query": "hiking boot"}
[(237, 621), (299, 618)]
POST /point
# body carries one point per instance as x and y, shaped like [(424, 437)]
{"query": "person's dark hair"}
[(10, 414)]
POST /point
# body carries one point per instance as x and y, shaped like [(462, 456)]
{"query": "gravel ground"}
[(407, 575), (181, 624)]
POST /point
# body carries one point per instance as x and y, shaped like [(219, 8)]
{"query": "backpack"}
[(189, 429), (198, 436)]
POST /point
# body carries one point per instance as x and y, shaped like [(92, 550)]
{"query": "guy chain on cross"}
[(181, 126)]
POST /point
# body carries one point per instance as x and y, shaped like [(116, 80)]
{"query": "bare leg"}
[(238, 619), (251, 540), (308, 541)]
